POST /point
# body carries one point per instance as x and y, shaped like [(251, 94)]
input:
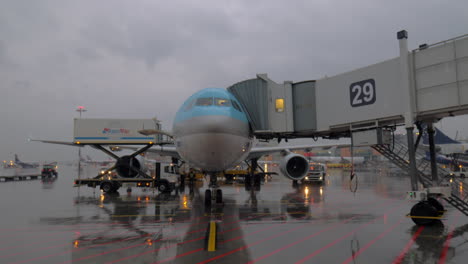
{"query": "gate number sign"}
[(362, 93)]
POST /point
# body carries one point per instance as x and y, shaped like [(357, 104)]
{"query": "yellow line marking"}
[(212, 237), (425, 217)]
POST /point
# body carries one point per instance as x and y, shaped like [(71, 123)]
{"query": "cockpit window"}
[(204, 101), (222, 102), (236, 106), (189, 105)]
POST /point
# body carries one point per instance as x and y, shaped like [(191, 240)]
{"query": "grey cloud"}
[(87, 53), (122, 58), (152, 40)]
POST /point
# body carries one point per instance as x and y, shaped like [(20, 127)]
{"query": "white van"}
[(459, 172), (317, 173)]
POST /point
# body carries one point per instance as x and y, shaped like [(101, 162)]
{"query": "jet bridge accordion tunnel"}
[(277, 110)]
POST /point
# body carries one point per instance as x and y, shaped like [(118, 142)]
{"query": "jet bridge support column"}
[(405, 76), (430, 134), (412, 159)]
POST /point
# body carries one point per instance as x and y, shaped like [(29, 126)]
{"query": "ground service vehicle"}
[(49, 170), (461, 172), (317, 173)]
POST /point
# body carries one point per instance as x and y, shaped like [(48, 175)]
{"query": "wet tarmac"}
[(50, 221)]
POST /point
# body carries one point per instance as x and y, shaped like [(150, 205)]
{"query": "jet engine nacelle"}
[(124, 164), (294, 166)]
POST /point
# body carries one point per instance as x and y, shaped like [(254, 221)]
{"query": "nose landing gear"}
[(253, 180), (214, 194)]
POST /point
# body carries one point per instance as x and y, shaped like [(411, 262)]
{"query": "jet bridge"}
[(366, 104), (427, 83)]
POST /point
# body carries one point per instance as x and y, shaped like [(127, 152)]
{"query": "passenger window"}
[(222, 102), (204, 101), (236, 106)]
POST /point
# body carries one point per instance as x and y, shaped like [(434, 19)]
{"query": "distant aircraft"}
[(25, 165), (442, 159), (444, 144), (211, 132), (90, 161)]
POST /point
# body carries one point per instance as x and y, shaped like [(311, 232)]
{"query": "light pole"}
[(80, 109)]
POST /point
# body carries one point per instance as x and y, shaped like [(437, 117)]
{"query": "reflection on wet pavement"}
[(49, 221)]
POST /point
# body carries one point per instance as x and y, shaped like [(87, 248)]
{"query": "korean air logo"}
[(115, 131)]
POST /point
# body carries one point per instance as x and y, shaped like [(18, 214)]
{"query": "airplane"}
[(212, 133), (89, 161), (25, 165), (442, 159), (444, 144)]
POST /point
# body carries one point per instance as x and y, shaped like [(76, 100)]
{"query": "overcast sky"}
[(143, 58)]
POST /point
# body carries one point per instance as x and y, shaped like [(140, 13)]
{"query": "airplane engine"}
[(124, 164), (294, 166)]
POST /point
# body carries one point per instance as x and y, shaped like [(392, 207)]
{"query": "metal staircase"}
[(398, 154)]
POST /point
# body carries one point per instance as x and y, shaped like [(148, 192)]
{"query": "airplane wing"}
[(258, 152), (161, 150), (57, 142)]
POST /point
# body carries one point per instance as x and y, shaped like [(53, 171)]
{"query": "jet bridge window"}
[(279, 105), (204, 101), (222, 102)]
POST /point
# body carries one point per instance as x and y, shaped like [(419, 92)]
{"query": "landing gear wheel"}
[(208, 198), (163, 186), (107, 187), (248, 182), (219, 196), (182, 188), (423, 209), (257, 182), (436, 204), (295, 184)]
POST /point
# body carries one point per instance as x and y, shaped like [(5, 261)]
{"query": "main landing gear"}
[(253, 181), (214, 194)]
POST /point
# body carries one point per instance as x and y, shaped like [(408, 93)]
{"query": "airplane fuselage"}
[(211, 131)]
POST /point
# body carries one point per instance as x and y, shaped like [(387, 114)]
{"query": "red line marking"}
[(443, 255), (181, 243), (372, 242), (270, 237), (296, 242), (40, 242), (107, 252), (405, 250), (313, 235), (180, 255), (232, 239), (315, 253), (155, 250), (107, 243)]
